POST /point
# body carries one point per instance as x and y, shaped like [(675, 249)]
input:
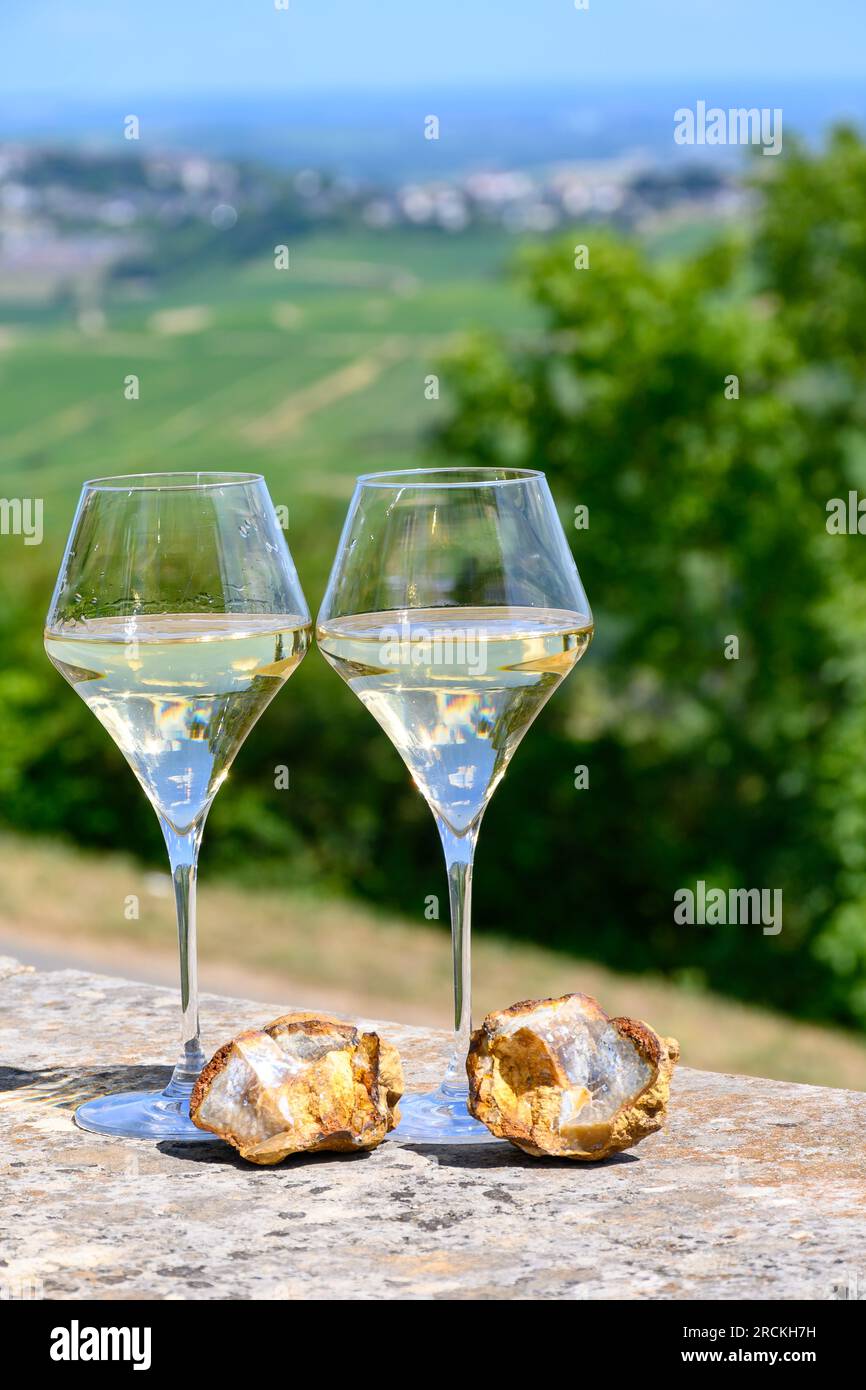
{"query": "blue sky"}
[(98, 48)]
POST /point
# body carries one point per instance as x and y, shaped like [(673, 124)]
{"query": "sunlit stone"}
[(557, 1076), (304, 1082)]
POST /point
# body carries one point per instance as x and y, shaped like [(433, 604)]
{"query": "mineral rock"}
[(557, 1076), (305, 1082)]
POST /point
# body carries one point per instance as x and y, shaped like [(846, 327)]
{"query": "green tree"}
[(707, 508), (810, 257)]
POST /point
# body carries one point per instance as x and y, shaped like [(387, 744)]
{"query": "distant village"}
[(68, 216)]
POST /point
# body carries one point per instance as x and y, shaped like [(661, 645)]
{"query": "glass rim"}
[(438, 477), (193, 479)]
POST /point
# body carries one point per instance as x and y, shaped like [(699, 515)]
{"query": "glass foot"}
[(144, 1115), (439, 1117)]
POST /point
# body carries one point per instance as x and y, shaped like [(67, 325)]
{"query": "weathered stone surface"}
[(754, 1189)]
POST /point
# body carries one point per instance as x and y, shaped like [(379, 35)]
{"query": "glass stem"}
[(183, 856), (459, 857)]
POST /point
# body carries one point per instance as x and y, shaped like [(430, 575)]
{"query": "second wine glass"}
[(453, 611)]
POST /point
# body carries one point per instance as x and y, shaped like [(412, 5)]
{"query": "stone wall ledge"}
[(755, 1189)]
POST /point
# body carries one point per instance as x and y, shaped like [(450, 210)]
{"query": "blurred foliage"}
[(706, 519)]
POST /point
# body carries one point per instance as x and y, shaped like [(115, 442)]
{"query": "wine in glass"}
[(177, 616), (453, 611)]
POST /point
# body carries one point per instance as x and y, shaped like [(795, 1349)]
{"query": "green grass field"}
[(309, 375), (227, 364)]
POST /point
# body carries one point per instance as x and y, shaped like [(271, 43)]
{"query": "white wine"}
[(179, 692), (455, 689)]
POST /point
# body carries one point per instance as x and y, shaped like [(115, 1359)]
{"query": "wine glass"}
[(453, 611), (177, 616)]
